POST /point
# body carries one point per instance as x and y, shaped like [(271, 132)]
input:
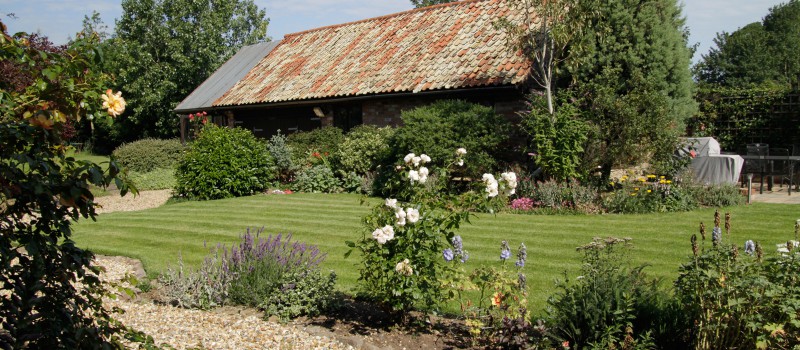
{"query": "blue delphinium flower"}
[(522, 255), (448, 255), (458, 247), (505, 251), (716, 235), (749, 247)]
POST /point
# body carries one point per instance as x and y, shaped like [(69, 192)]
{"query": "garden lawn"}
[(158, 236)]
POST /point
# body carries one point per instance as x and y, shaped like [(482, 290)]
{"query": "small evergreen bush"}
[(282, 153), (441, 127), (222, 163), (147, 155), (363, 149)]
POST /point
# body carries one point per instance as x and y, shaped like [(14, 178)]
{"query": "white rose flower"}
[(401, 221), (379, 236), (492, 191), (412, 215), (413, 175), (404, 268), (423, 179), (423, 171), (461, 151), (509, 177), (391, 203), (416, 160), (409, 157), (460, 162), (424, 158), (488, 177), (388, 231)]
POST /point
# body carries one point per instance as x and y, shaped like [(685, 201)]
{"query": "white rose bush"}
[(406, 238)]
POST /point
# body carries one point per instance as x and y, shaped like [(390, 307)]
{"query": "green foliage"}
[(149, 154), (157, 179), (222, 163), (716, 196), (282, 154), (52, 297), (316, 179), (302, 293), (363, 149), (632, 74), (649, 195), (737, 116), (557, 139), (325, 141), (443, 126), (608, 305), (739, 298), (159, 56), (424, 3), (760, 53), (405, 243)]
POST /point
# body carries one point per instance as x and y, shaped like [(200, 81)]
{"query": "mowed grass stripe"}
[(156, 236)]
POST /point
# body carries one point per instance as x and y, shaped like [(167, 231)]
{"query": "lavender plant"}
[(266, 273)]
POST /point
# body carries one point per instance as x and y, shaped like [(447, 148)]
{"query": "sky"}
[(61, 19)]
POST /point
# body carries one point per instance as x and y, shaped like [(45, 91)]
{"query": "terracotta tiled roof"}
[(440, 47)]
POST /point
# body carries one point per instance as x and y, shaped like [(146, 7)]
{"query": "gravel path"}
[(182, 328), (144, 200)]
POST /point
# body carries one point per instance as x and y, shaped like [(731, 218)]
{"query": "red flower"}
[(692, 154), (565, 344), (205, 120), (191, 116), (315, 155), (287, 192)]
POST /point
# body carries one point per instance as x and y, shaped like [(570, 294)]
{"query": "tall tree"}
[(163, 49), (632, 74), (423, 3), (758, 53)]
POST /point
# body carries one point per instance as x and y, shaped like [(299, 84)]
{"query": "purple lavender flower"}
[(448, 255), (749, 247)]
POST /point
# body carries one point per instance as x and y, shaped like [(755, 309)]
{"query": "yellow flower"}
[(662, 182), (651, 176), (669, 182), (114, 103), (663, 177), (648, 191)]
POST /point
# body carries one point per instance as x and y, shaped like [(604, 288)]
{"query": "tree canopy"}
[(423, 3), (759, 53), (162, 50)]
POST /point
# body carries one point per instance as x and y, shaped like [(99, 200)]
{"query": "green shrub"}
[(444, 126), (741, 298), (363, 149), (224, 162), (318, 178), (649, 195), (609, 304), (149, 154), (325, 140), (716, 196), (158, 179), (557, 140), (306, 292), (282, 154)]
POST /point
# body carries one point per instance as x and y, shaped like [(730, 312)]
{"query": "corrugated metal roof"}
[(225, 77), (440, 47)]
